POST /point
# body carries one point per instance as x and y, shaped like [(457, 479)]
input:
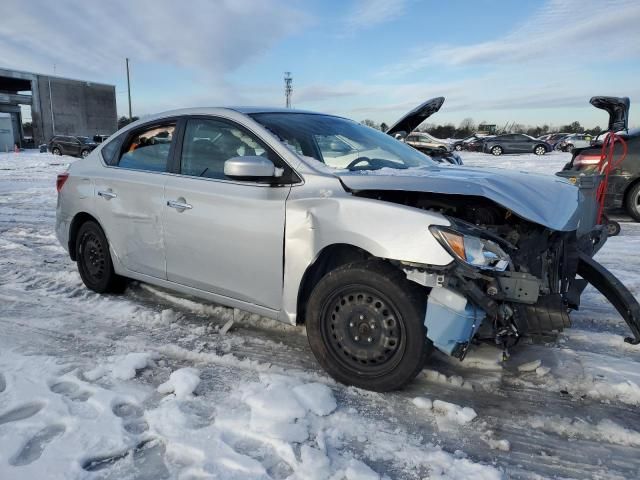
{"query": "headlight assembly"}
[(475, 251)]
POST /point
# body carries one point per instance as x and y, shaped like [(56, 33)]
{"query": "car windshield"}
[(340, 143)]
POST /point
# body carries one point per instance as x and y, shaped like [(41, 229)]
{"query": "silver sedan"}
[(316, 219)]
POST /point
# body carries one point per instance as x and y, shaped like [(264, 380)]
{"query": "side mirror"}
[(250, 168)]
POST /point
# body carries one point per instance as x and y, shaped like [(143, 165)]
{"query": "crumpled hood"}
[(543, 199)]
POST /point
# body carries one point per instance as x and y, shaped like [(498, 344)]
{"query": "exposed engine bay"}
[(511, 277)]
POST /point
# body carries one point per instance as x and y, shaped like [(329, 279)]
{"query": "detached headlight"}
[(475, 251)]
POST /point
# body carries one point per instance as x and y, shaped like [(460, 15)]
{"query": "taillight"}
[(586, 160), (60, 181)]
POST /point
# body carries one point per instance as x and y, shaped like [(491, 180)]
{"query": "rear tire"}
[(496, 151), (365, 326), (85, 153), (56, 151), (94, 260), (458, 147), (632, 202)]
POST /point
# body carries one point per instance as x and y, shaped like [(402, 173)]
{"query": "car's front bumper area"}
[(533, 297)]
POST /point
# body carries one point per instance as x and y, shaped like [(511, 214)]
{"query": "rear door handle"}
[(106, 194), (178, 205)]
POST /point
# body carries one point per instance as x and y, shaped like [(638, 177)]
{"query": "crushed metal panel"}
[(543, 199)]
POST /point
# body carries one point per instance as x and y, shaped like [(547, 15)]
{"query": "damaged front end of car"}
[(510, 277)]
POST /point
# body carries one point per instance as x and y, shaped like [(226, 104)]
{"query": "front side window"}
[(148, 148), (340, 143), (111, 149), (209, 143)]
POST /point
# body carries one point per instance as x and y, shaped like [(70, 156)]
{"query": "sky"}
[(533, 62)]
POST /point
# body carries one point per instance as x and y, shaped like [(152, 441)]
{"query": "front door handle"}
[(106, 194), (179, 204)]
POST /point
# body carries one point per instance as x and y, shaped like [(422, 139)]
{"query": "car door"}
[(224, 236), (130, 196), (74, 146), (65, 145), (521, 143)]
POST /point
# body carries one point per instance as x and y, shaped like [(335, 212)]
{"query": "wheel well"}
[(628, 189), (329, 259), (76, 223)]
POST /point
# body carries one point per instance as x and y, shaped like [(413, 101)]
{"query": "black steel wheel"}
[(365, 324), (94, 260), (632, 202)]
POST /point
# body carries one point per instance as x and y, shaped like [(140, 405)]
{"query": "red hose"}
[(605, 166)]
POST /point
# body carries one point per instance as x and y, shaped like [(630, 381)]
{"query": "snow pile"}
[(276, 413), (495, 444), (316, 397), (182, 382), (125, 367), (122, 367), (605, 430), (449, 411), (454, 380), (453, 412), (530, 366), (279, 408)]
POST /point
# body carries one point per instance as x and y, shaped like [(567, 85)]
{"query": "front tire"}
[(496, 151), (458, 148), (632, 202), (84, 153), (540, 150), (365, 326), (94, 260)]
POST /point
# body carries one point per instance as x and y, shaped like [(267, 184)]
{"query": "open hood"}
[(618, 109), (543, 199), (415, 117)]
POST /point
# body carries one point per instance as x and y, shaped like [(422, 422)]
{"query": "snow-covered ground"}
[(150, 385)]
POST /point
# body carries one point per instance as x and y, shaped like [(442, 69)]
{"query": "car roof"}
[(220, 111), (250, 110)]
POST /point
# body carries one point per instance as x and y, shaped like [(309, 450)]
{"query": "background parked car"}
[(76, 146), (575, 140), (463, 143), (100, 138), (553, 138), (477, 144), (439, 150), (422, 140), (624, 182), (515, 143)]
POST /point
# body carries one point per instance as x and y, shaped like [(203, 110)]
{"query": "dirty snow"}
[(144, 386)]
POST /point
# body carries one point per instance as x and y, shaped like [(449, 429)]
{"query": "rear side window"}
[(148, 148)]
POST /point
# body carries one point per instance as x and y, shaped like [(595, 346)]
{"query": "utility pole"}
[(288, 88), (53, 120), (129, 90)]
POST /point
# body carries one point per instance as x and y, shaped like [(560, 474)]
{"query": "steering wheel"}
[(357, 161)]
